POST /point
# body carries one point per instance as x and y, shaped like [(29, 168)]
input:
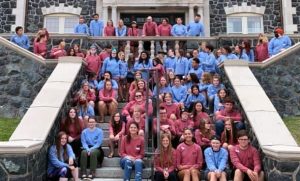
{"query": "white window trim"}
[(61, 21), (244, 17)]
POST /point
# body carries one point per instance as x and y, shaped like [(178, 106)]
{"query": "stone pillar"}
[(206, 18), (114, 15), (99, 5), (288, 11), (20, 12), (200, 11), (191, 13), (105, 14)]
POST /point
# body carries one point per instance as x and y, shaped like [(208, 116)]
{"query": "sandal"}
[(110, 155)]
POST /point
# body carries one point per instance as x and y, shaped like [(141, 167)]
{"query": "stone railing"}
[(24, 156), (280, 152)]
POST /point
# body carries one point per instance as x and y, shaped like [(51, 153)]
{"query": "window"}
[(244, 24), (61, 23)]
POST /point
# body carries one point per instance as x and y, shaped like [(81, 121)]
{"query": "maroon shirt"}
[(190, 155), (165, 164), (199, 117), (121, 132), (57, 52), (180, 125), (167, 122), (133, 32), (40, 49), (233, 114), (71, 130), (261, 52), (134, 148), (109, 31), (141, 124), (93, 63), (164, 30), (129, 108), (245, 159), (150, 29), (103, 55), (171, 109)]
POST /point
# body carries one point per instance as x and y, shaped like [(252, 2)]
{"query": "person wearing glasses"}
[(246, 159), (189, 157)]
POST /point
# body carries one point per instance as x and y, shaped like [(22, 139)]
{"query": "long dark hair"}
[(58, 146), (194, 78), (117, 127), (230, 134), (147, 58), (169, 155), (194, 111), (68, 121), (128, 137)]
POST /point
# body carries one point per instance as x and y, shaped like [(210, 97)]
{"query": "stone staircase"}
[(111, 170)]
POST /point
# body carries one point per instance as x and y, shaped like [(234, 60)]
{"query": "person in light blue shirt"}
[(196, 69), (169, 61), (20, 39), (91, 139), (96, 26), (107, 76), (196, 27), (121, 29), (181, 64), (212, 90), (194, 97), (209, 62), (216, 158), (240, 53), (81, 27), (227, 54), (194, 53), (163, 88), (112, 64), (61, 159), (143, 64), (179, 91), (179, 29), (279, 43), (248, 51)]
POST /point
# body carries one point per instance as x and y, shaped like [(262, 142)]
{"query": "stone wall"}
[(281, 82), (35, 18), (6, 17), (20, 81), (271, 18), (33, 167)]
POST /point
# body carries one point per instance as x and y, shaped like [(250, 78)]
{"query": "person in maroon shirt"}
[(116, 131), (58, 51), (78, 52), (261, 49), (166, 125), (85, 91), (165, 160), (228, 136), (140, 87), (132, 152), (107, 100), (173, 111), (198, 113), (40, 46), (73, 126), (164, 29), (149, 29), (229, 112), (189, 158), (133, 31), (137, 117), (109, 29), (204, 135), (246, 159), (93, 63)]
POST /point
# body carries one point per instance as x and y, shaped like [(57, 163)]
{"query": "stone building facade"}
[(217, 15)]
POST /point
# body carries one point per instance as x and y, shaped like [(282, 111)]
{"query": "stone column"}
[(114, 15), (288, 11), (105, 14), (191, 13), (206, 18), (200, 11), (19, 12)]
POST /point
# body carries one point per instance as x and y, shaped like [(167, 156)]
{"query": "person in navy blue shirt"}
[(20, 39), (81, 27), (196, 27)]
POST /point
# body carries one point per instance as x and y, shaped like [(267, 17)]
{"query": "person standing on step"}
[(216, 159), (40, 46), (109, 29), (189, 158), (149, 29), (196, 27), (279, 43), (91, 139), (61, 160), (116, 132), (20, 39), (132, 153), (246, 160), (112, 64), (165, 160), (81, 27), (96, 26)]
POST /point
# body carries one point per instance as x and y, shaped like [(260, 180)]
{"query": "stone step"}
[(117, 172), (107, 151), (112, 179), (103, 126)]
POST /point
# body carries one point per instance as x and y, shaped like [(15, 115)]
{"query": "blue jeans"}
[(220, 126), (128, 165)]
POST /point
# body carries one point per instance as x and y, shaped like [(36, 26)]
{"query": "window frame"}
[(244, 19), (61, 21)]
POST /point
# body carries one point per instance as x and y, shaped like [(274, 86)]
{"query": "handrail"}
[(21, 50)]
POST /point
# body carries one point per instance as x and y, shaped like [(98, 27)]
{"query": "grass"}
[(293, 124), (7, 127)]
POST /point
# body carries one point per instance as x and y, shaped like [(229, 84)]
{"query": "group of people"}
[(199, 124)]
